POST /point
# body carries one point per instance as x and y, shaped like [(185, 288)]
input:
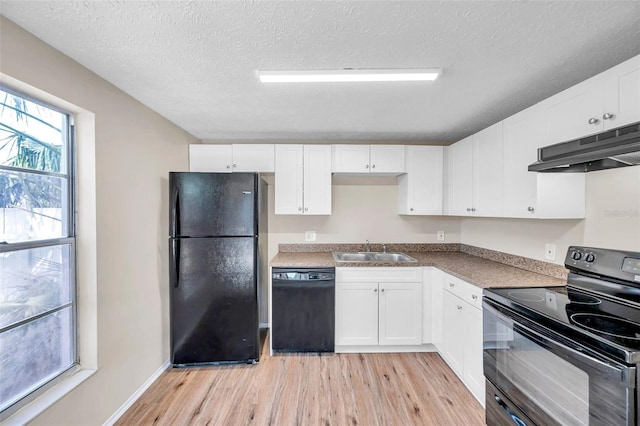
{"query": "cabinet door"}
[(488, 175), (460, 177), (356, 313), (253, 158), (400, 310), (523, 134), (622, 94), (210, 158), (420, 189), (387, 159), (350, 158), (452, 337), (317, 179), (573, 113), (437, 313), (473, 372), (288, 179)]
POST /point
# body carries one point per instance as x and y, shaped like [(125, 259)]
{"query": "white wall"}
[(612, 221), (135, 148), (362, 209)]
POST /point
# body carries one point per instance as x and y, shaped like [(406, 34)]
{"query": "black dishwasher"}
[(303, 302)]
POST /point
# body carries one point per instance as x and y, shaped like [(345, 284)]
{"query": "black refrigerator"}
[(218, 266)]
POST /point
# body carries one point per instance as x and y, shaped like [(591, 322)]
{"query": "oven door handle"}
[(625, 374)]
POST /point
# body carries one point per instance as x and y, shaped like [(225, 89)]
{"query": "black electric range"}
[(600, 305), (590, 327)]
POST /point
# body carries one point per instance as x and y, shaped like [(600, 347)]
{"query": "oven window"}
[(540, 377)]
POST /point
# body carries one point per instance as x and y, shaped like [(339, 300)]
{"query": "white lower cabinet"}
[(461, 344), (378, 306)]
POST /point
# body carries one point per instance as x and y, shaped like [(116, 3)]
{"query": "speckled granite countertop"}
[(476, 268)]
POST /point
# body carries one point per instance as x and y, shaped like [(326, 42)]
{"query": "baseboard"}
[(354, 349), (137, 394)]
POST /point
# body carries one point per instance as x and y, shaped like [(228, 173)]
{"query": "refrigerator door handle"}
[(175, 262), (174, 214)]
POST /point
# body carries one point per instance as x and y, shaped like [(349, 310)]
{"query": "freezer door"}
[(213, 300), (212, 204)]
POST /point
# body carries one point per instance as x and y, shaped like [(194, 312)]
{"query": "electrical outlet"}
[(440, 235), (310, 235), (550, 251)]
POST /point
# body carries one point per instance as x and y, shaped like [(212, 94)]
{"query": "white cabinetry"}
[(436, 285), (381, 159), (420, 189), (462, 333), (536, 195), (303, 179), (378, 306), (475, 176), (232, 158), (608, 100)]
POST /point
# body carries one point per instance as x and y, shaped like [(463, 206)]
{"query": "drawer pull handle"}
[(517, 420)]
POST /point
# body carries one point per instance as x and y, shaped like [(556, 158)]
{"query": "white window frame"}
[(85, 258)]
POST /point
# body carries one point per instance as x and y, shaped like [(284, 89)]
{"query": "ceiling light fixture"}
[(349, 75)]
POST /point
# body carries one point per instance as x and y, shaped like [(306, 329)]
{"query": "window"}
[(37, 247)]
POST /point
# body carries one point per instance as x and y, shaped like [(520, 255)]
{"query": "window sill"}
[(50, 397)]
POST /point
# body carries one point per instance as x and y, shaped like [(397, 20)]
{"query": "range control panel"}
[(624, 265)]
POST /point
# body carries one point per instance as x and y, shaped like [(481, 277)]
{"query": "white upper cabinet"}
[(420, 189), (210, 158), (232, 158), (536, 195), (488, 178), (608, 100), (460, 177), (475, 176), (303, 179), (622, 94), (381, 159)]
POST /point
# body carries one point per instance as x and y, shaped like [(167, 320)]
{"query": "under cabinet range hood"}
[(607, 150)]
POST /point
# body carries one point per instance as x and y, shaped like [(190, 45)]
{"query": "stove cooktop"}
[(598, 321)]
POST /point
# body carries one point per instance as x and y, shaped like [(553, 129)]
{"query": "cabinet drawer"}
[(454, 285), (379, 275), (473, 295)]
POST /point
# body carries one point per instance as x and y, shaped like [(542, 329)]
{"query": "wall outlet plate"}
[(310, 235), (550, 251), (440, 235)]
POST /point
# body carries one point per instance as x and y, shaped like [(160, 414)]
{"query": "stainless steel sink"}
[(372, 257)]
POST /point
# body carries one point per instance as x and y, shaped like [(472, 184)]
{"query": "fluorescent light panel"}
[(349, 76)]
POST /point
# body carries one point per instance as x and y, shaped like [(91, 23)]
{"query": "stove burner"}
[(525, 296), (605, 324), (583, 299)]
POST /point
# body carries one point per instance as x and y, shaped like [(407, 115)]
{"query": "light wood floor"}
[(311, 389)]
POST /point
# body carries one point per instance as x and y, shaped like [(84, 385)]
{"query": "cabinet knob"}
[(299, 209), (373, 166), (382, 290), (607, 116), (306, 209), (375, 290), (459, 307), (411, 209), (366, 167), (468, 209), (235, 165), (228, 166), (474, 296), (531, 209), (452, 285), (593, 120), (473, 209)]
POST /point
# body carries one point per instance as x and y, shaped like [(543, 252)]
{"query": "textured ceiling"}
[(195, 62)]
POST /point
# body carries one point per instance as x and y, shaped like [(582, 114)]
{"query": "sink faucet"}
[(367, 246), (384, 248)]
